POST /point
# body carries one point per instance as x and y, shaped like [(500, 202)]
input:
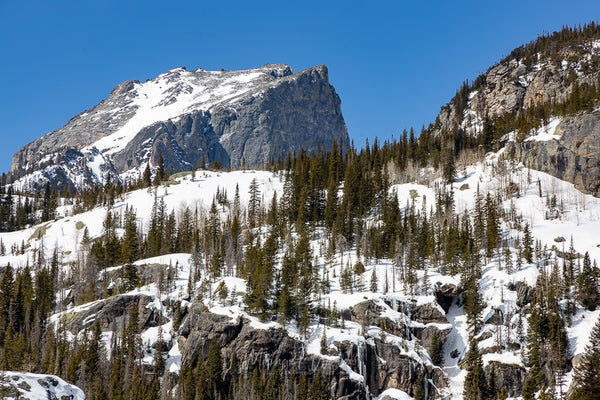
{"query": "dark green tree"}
[(147, 176), (253, 203), (131, 245), (527, 244), (7, 291), (435, 349), (160, 170), (587, 285), (319, 390), (492, 225), (449, 168), (476, 387), (587, 374), (214, 368)]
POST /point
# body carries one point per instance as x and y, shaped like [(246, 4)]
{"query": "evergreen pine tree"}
[(302, 389), (508, 265), (527, 244), (319, 389), (324, 342), (48, 204), (203, 387), (147, 176), (449, 168), (253, 203), (273, 386), (419, 393), (435, 349), (130, 245), (214, 368), (476, 387), (160, 170), (373, 285), (492, 384), (587, 374), (492, 229), (7, 290), (92, 356), (587, 293)]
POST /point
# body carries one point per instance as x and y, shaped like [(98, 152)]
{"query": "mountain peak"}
[(227, 116)]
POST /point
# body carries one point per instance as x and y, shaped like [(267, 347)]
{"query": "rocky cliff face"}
[(573, 156), (190, 117), (514, 86), (352, 370)]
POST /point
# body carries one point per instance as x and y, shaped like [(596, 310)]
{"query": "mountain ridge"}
[(190, 117)]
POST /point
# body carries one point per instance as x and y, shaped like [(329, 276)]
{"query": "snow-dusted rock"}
[(25, 386), (573, 155)]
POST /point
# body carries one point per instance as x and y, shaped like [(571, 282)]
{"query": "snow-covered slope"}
[(175, 93), (17, 385), (576, 215), (197, 193)]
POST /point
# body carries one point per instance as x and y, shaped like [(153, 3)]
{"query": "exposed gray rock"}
[(496, 318), (575, 157), (111, 314), (259, 348), (577, 360), (182, 143), (510, 86), (368, 313), (445, 295), (300, 112), (383, 365), (428, 313), (425, 335), (524, 292), (510, 376), (427, 319), (386, 367)]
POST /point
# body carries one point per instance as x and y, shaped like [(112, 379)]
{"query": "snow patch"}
[(546, 132), (178, 92), (39, 387), (395, 394)]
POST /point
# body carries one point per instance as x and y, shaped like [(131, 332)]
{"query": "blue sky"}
[(394, 64)]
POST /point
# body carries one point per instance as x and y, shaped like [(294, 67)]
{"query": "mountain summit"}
[(192, 118)]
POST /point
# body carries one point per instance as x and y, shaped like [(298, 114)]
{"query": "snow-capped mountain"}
[(190, 117)]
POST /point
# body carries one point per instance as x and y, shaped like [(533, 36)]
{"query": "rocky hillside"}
[(515, 100), (378, 328), (191, 118), (572, 155)]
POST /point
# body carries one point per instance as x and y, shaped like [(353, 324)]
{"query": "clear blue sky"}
[(393, 63)]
